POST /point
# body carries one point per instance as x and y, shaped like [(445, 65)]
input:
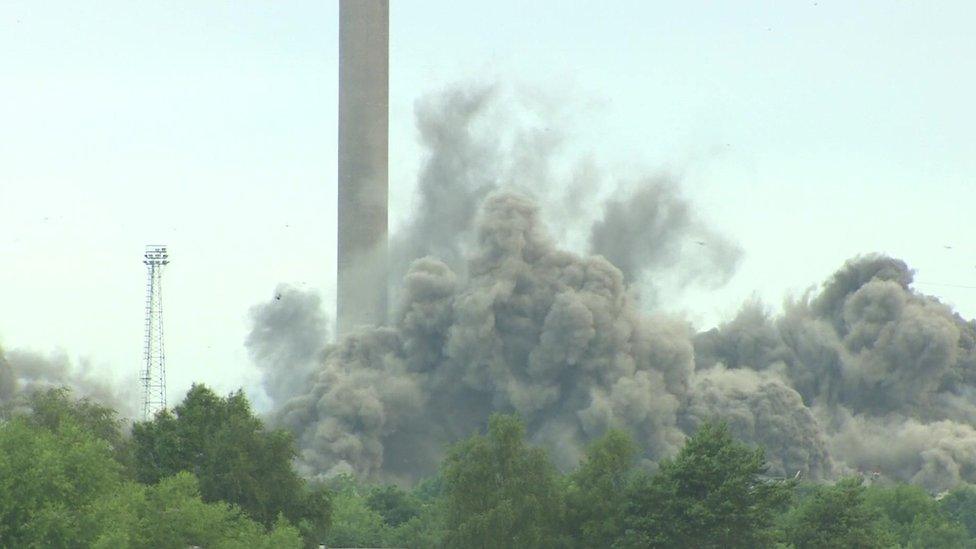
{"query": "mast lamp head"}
[(156, 255)]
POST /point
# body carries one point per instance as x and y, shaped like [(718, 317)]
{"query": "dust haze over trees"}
[(25, 372)]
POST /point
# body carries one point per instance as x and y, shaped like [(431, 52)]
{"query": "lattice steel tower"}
[(154, 367)]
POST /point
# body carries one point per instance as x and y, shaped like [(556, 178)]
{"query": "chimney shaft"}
[(363, 149)]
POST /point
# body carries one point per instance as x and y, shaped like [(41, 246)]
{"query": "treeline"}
[(210, 474)]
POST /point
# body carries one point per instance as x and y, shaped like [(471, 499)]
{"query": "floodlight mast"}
[(153, 376)]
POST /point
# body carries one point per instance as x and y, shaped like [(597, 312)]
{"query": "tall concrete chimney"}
[(364, 82)]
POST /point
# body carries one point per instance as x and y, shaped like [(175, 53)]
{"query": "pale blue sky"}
[(807, 131)]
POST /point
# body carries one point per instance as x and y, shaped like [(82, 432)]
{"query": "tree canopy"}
[(62, 485), (712, 494), (501, 492), (596, 495), (210, 474), (235, 458), (837, 516)]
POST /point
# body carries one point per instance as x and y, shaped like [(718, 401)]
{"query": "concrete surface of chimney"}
[(363, 150)]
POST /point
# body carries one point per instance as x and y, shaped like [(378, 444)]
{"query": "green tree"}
[(312, 514), (394, 504), (596, 497), (712, 494), (428, 528), (48, 479), (61, 486), (385, 516), (171, 514), (937, 532), (51, 408), (913, 518), (960, 506), (425, 530), (500, 492), (354, 523), (837, 516), (235, 458)]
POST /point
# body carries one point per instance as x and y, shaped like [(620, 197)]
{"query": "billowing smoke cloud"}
[(463, 166), (24, 372), (865, 376), (887, 371), (938, 455), (652, 230), (287, 339), (534, 329), (552, 335), (481, 140), (496, 313), (761, 408)]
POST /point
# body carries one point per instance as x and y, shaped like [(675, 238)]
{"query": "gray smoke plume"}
[(533, 329), (888, 372), (938, 455), (481, 140), (866, 375), (495, 313), (748, 340), (287, 338), (8, 381), (24, 372), (463, 166), (761, 408), (653, 229)]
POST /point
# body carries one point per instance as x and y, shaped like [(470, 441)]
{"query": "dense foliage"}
[(210, 474), (500, 492), (63, 483), (711, 495), (235, 459)]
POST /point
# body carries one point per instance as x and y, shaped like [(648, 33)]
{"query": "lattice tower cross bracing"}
[(154, 354)]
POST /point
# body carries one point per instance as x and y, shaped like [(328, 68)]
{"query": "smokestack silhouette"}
[(363, 150)]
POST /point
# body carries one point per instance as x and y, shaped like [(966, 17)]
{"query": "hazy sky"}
[(806, 131)]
